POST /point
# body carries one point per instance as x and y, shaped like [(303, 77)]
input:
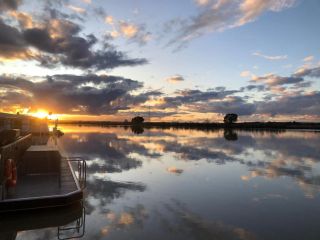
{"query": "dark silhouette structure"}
[(230, 134), (137, 129), (230, 118), (137, 120)]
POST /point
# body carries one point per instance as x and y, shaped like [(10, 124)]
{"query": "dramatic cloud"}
[(307, 103), (59, 42), (12, 44), (60, 39), (88, 94), (175, 79), (271, 58), (220, 15)]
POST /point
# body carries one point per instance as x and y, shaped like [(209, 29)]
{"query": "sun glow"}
[(40, 114), (44, 114)]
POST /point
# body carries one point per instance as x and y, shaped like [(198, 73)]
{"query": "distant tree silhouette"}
[(137, 120), (230, 118)]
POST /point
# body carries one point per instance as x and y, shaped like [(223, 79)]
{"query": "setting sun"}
[(40, 114), (44, 114)]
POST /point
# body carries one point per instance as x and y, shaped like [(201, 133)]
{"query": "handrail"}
[(82, 170)]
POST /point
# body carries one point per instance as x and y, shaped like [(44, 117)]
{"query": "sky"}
[(169, 60)]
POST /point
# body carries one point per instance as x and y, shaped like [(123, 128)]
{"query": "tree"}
[(230, 118), (137, 120)]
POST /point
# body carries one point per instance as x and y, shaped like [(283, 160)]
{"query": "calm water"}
[(187, 184)]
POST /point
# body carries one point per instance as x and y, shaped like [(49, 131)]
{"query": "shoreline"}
[(204, 126)]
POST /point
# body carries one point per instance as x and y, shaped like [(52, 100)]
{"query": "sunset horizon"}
[(93, 60)]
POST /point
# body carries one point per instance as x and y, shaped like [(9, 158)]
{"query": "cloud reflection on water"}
[(260, 173), (266, 154)]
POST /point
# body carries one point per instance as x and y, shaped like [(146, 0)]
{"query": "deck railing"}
[(81, 170)]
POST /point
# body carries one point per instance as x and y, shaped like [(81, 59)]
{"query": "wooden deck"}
[(45, 179)]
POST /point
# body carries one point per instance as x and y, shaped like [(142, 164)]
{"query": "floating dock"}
[(44, 178)]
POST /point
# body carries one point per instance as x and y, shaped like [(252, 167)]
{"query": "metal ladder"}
[(75, 230)]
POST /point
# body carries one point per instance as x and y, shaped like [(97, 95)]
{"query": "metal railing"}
[(81, 171)]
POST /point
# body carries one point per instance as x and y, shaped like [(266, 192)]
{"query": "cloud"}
[(202, 2), (300, 104), (12, 96), (9, 4), (136, 33), (308, 59), (58, 42), (221, 15), (25, 20), (12, 43), (189, 96), (279, 92), (88, 94), (234, 104), (76, 9), (127, 29), (251, 9), (253, 87), (177, 218), (174, 170), (175, 79), (245, 74), (313, 72), (109, 19), (271, 58), (275, 80)]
